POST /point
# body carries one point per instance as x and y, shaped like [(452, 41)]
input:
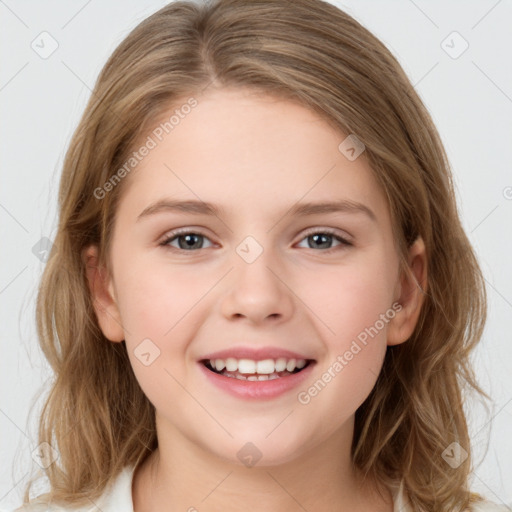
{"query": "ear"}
[(410, 295), (102, 296)]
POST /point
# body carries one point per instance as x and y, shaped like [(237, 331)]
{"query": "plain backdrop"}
[(467, 90)]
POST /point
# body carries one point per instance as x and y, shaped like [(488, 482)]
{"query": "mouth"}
[(252, 370)]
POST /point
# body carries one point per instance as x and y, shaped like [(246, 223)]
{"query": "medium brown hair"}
[(311, 52)]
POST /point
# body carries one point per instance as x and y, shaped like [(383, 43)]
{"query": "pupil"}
[(325, 236), (188, 238)]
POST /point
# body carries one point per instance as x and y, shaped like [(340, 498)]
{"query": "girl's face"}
[(257, 280)]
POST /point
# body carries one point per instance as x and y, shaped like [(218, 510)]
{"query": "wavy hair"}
[(311, 52)]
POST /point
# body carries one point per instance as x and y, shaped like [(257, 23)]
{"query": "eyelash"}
[(185, 231)]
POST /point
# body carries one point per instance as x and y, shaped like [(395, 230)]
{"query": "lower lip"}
[(257, 389)]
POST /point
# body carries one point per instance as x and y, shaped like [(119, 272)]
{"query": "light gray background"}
[(469, 97)]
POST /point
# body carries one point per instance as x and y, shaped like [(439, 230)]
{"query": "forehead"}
[(248, 152)]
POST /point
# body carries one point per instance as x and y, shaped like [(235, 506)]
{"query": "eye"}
[(187, 240), (191, 240), (324, 238)]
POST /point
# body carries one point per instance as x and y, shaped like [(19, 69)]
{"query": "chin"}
[(257, 450)]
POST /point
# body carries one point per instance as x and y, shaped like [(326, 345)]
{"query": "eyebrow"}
[(299, 209)]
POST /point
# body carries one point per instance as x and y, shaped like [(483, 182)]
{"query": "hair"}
[(313, 53)]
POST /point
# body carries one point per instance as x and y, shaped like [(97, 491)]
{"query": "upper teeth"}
[(266, 366)]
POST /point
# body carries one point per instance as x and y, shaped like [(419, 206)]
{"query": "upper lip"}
[(256, 354)]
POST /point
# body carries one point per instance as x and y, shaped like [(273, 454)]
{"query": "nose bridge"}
[(256, 290), (254, 263)]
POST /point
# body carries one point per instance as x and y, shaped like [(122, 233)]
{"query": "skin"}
[(256, 156)]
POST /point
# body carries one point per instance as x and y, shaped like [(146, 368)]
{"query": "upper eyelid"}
[(335, 231)]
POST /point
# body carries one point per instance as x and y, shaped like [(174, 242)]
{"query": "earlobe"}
[(410, 295), (102, 296)]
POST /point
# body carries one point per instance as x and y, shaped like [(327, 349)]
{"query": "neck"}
[(180, 475)]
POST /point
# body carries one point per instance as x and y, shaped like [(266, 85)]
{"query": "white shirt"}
[(118, 498)]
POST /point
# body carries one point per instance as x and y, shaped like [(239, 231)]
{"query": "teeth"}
[(281, 365), (239, 376), (290, 365), (267, 366), (263, 368), (246, 366), (231, 364)]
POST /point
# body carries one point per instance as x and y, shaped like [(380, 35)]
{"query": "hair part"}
[(313, 53)]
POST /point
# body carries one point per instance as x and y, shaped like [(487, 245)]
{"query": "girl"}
[(260, 294)]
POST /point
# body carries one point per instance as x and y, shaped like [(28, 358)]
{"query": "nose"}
[(258, 292)]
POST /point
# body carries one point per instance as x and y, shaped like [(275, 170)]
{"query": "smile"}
[(249, 369), (252, 379)]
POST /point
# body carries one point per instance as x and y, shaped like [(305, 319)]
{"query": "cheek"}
[(155, 308), (349, 299), (354, 306), (153, 302)]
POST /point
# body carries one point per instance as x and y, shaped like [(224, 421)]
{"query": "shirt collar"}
[(118, 498)]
